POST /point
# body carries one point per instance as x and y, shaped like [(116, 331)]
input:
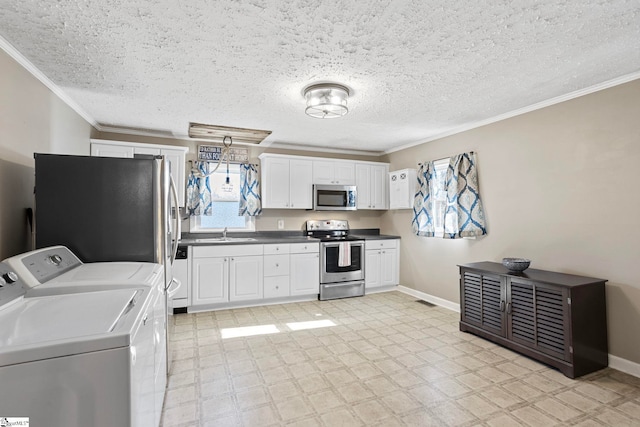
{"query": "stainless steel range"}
[(341, 259)]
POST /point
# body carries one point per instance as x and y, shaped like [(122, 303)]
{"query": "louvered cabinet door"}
[(483, 302), (537, 317)]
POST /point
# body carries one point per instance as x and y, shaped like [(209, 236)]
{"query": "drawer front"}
[(276, 287), (223, 249), (381, 244), (276, 249), (276, 265), (303, 248)]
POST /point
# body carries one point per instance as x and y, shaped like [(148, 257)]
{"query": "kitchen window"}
[(225, 199), (439, 191)]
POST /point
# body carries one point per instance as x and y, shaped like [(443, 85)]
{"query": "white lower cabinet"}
[(210, 281), (245, 278), (291, 270), (381, 264), (276, 271), (305, 269), (226, 273)]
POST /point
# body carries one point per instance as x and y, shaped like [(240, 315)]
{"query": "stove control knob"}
[(55, 259), (10, 277), (2, 282)]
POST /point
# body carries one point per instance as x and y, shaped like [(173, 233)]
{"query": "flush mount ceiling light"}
[(326, 100)]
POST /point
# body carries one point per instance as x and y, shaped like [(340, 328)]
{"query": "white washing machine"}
[(56, 270), (83, 359)]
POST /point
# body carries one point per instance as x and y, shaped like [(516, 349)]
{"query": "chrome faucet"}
[(224, 233)]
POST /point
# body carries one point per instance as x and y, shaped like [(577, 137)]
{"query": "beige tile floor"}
[(389, 361)]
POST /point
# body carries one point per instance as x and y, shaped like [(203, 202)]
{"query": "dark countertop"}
[(551, 277), (273, 237)]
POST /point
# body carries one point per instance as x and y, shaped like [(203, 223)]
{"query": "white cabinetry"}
[(334, 172), (245, 278), (371, 180), (210, 280), (382, 261), (402, 188), (305, 268), (175, 155), (109, 150), (286, 182), (226, 273), (276, 271)]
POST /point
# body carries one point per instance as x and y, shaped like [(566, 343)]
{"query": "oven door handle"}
[(352, 243)]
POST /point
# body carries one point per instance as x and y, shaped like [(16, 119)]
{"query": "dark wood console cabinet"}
[(558, 319)]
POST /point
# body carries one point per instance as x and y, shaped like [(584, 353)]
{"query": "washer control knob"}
[(10, 277), (55, 259)]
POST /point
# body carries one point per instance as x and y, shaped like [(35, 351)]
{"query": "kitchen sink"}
[(225, 239)]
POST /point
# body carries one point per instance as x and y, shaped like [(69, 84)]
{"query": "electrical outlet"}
[(280, 224)]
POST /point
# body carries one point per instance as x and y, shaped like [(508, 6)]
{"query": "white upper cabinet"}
[(286, 182), (175, 155), (108, 150), (334, 172), (402, 188), (371, 180)]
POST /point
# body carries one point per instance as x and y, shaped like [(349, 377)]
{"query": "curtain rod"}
[(445, 158), (245, 162)]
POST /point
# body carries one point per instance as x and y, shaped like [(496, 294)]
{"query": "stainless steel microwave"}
[(334, 197)]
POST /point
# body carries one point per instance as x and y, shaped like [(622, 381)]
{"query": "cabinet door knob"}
[(509, 307), (277, 265), (501, 305), (232, 259), (277, 287)]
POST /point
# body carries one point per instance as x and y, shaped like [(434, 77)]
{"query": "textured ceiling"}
[(416, 68)]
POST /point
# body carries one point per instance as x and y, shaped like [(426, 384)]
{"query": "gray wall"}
[(32, 119), (559, 186)]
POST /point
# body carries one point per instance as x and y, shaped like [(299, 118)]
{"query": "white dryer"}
[(83, 359)]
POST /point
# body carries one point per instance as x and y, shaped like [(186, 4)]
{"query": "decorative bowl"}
[(516, 264)]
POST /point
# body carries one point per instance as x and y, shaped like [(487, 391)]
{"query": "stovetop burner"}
[(329, 230)]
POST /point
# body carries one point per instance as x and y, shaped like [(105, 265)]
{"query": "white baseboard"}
[(430, 298), (624, 365), (615, 362)]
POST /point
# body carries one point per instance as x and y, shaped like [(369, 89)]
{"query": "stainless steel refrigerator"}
[(109, 209)]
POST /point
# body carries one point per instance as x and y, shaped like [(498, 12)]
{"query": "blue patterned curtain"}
[(464, 216), (199, 190), (423, 221), (250, 201)]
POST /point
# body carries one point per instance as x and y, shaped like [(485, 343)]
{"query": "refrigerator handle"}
[(178, 227)]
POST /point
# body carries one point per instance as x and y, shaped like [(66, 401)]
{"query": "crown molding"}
[(25, 63), (35, 72), (319, 149), (537, 106)]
